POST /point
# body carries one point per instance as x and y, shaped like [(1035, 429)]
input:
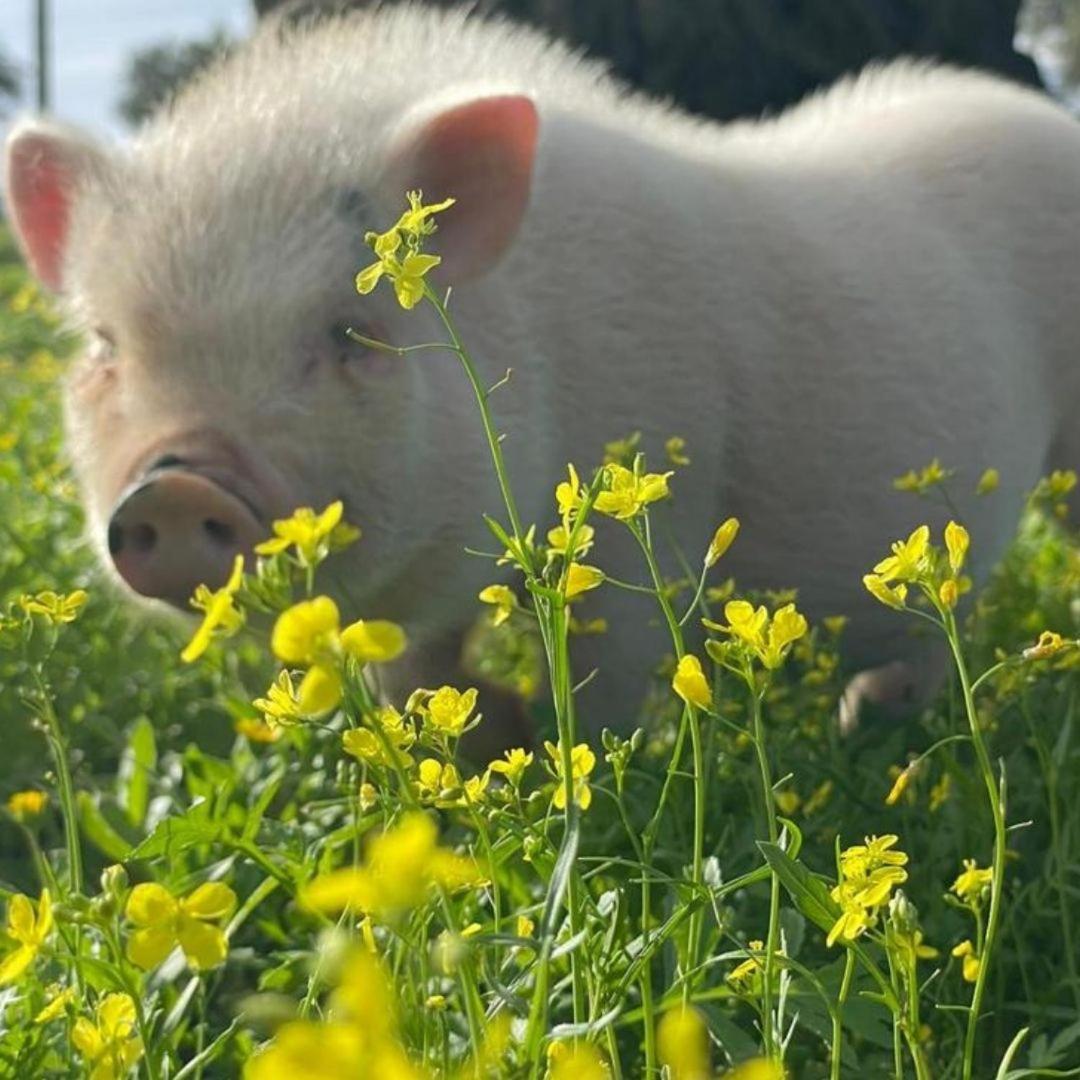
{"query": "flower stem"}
[(996, 798), (845, 986)]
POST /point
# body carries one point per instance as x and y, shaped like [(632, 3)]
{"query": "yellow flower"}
[(517, 761), (854, 918), (769, 639), (400, 866), (109, 1044), (909, 558), (221, 616), (788, 802), (835, 624), (312, 535), (582, 763), (256, 730), (559, 540), (749, 967), (55, 607), (581, 578), (163, 922), (957, 542), (819, 798), (786, 627), (988, 482), (29, 929), (397, 736), (900, 784), (939, 793), (627, 494), (1048, 644), (56, 1005), (756, 1069), (622, 451), (24, 805), (407, 273), (682, 1041), (569, 496), (280, 707), (971, 961), (690, 683), (576, 1061), (369, 796), (972, 881), (893, 596), (524, 926), (675, 448), (448, 710), (949, 593), (920, 482), (441, 784), (309, 634), (868, 874), (503, 599), (722, 539)]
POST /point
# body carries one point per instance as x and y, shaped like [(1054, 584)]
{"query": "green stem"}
[(774, 836), (997, 810), (845, 986)]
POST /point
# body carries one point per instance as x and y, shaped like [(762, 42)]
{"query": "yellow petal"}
[(320, 690), (116, 1016), (299, 628), (15, 963), (87, 1039), (149, 947), (211, 900), (150, 905), (368, 278), (374, 641), (338, 890), (21, 921), (204, 944)]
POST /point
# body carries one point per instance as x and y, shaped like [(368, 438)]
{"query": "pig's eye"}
[(102, 346), (345, 337)]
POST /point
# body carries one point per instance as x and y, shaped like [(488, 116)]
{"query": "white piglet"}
[(885, 274)]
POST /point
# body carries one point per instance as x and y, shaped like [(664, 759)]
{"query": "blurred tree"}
[(728, 58), (9, 81), (155, 74)]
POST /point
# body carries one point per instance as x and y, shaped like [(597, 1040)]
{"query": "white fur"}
[(817, 302)]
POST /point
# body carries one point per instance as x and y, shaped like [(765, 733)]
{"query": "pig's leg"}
[(896, 688)]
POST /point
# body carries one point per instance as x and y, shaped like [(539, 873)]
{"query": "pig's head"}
[(210, 270)]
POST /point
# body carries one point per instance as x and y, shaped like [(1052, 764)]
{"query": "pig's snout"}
[(178, 529)]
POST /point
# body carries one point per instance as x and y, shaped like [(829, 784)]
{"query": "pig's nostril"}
[(142, 537), (116, 538), (168, 461), (220, 532)]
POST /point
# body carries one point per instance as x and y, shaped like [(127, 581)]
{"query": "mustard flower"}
[(957, 542), (971, 882), (988, 482), (306, 1050), (405, 272), (675, 448), (939, 793), (1048, 645), (397, 738), (622, 451), (29, 929), (722, 539), (581, 579), (682, 1041), (108, 1043), (920, 482), (559, 541), (949, 593), (818, 798), (582, 763), (163, 922), (690, 683), (900, 784), (749, 967), (399, 868), (309, 634), (441, 784), (627, 494), (769, 639), (971, 962), (448, 710), (56, 1005), (756, 1069), (868, 874), (221, 616), (56, 607), (909, 558), (569, 496), (25, 805), (255, 730), (788, 802), (894, 596), (281, 706), (502, 598), (576, 1061), (312, 535), (512, 765)]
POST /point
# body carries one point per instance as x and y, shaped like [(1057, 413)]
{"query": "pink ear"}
[(44, 167), (481, 153)]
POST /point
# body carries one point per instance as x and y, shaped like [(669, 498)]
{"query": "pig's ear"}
[(45, 166), (480, 152)]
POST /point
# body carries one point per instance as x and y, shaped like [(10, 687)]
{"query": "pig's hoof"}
[(891, 686)]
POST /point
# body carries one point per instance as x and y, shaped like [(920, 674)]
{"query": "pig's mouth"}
[(181, 525)]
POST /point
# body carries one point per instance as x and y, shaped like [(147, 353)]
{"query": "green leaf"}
[(98, 831), (176, 834), (137, 765), (809, 892)]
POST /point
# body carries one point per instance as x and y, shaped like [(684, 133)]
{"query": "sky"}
[(92, 40)]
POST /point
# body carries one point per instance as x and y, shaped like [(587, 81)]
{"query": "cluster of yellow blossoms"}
[(915, 561), (868, 874)]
